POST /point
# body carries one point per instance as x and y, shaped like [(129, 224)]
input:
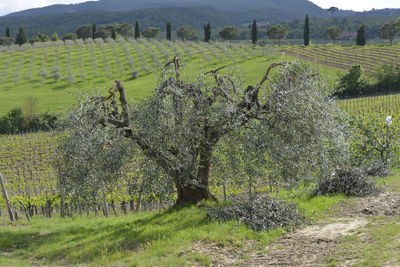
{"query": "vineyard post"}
[(5, 195)]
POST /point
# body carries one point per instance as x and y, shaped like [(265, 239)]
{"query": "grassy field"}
[(371, 57), (144, 239)]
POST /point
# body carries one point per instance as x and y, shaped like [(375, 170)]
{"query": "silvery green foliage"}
[(289, 129), (260, 213), (301, 137), (90, 156)]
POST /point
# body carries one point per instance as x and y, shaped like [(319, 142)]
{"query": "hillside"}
[(292, 6), (178, 16)]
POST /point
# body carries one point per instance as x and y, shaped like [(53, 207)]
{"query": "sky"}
[(8, 6), (358, 5)]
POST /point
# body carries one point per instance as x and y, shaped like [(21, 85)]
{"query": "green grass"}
[(377, 244), (143, 239)]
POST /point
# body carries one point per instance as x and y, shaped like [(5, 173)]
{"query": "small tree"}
[(229, 32), (6, 41), (207, 33), (389, 31), (254, 32), (43, 37), (8, 32), (137, 30), (84, 32), (306, 34), (361, 40), (352, 82), (69, 36), (55, 37), (169, 31), (150, 32), (186, 32), (21, 37), (102, 33), (334, 33), (278, 32)]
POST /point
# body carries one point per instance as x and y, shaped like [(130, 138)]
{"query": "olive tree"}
[(291, 120), (334, 33), (186, 32), (229, 32), (278, 32), (150, 32), (389, 31)]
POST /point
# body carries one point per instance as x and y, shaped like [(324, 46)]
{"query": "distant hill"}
[(67, 18), (290, 6), (178, 16)]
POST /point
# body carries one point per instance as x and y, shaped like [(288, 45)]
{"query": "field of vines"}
[(343, 57), (56, 73)]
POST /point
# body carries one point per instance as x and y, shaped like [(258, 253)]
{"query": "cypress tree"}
[(306, 31), (137, 30), (207, 32), (113, 33), (169, 31), (94, 30), (361, 40), (8, 32), (254, 32), (21, 37)]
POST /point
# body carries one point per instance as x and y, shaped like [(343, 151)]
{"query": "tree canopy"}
[(182, 126), (278, 32)]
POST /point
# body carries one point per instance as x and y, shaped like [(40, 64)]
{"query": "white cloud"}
[(8, 6), (358, 5)]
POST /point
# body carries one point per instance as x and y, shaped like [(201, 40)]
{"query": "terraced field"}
[(343, 57)]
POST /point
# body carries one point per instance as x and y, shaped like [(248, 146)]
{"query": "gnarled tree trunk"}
[(192, 192)]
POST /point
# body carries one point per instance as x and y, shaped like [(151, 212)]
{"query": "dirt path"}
[(311, 245)]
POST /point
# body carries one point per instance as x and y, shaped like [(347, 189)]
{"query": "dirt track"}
[(311, 245)]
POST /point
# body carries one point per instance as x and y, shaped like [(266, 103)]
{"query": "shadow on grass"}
[(86, 240)]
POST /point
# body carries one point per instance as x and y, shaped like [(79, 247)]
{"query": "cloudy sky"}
[(7, 6)]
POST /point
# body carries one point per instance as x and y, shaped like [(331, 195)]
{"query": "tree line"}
[(125, 30)]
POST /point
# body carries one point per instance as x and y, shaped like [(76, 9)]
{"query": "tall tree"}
[(150, 32), (94, 30), (84, 32), (306, 34), (254, 32), (186, 32), (21, 37), (389, 31), (169, 31), (137, 30), (207, 32), (8, 32), (334, 33), (113, 33), (278, 32), (229, 32), (361, 40)]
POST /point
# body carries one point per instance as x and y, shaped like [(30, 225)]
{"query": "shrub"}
[(350, 181), (352, 83), (260, 213)]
